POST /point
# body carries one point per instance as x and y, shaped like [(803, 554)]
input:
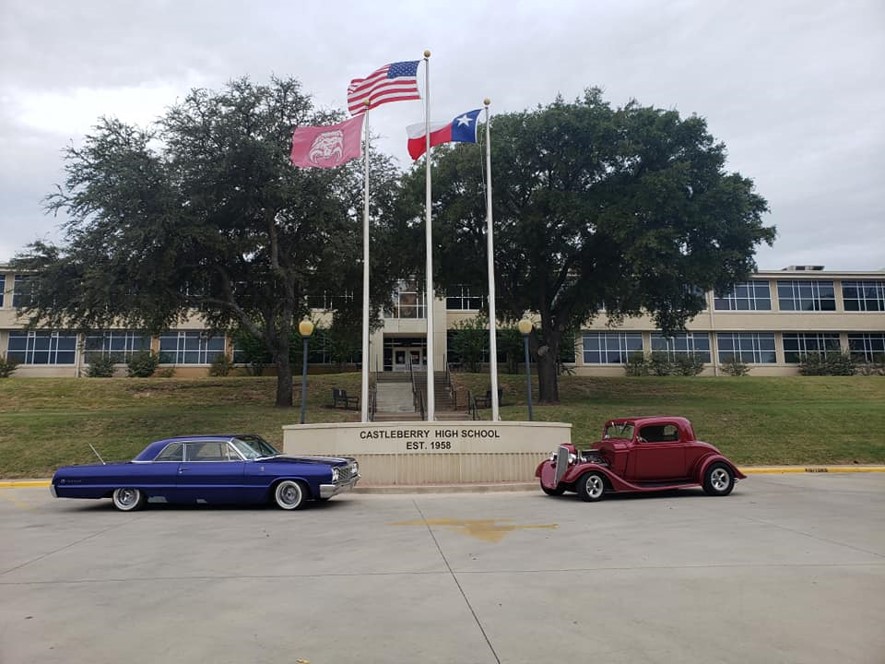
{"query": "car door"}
[(658, 454), (211, 472)]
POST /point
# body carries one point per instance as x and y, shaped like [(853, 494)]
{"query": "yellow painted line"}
[(18, 484), (776, 470)]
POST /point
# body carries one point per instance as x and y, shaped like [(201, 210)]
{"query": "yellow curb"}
[(18, 484), (774, 470)]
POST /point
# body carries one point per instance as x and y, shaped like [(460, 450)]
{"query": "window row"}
[(746, 347)]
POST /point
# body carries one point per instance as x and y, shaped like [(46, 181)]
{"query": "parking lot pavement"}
[(788, 569)]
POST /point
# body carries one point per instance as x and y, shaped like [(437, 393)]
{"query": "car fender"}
[(616, 482), (710, 459)]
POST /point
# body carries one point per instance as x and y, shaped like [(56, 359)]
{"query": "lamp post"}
[(305, 329), (525, 327)]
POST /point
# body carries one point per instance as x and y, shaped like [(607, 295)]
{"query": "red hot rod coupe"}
[(639, 454)]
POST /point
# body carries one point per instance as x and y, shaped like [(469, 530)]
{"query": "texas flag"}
[(460, 130)]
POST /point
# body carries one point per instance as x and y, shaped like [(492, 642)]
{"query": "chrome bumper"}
[(52, 490), (329, 490)]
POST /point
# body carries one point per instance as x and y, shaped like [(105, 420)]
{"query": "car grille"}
[(345, 473)]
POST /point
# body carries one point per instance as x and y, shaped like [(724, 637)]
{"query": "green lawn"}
[(48, 422)]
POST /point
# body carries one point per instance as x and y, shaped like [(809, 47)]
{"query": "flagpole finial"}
[(426, 52), (486, 101)]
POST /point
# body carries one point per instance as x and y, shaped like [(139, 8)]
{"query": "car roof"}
[(154, 448), (649, 419)]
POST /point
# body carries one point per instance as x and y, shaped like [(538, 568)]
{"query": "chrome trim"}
[(562, 459), (52, 490), (329, 490)]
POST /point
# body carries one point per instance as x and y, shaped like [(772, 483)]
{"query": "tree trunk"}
[(548, 385), (284, 378), (548, 381)]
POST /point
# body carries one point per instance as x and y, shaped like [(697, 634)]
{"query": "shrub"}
[(8, 365), (637, 365), (829, 364), (100, 366), (221, 365), (734, 367), (659, 364), (142, 364), (688, 365)]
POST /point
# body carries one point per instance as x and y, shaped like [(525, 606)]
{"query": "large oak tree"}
[(626, 210), (203, 213)]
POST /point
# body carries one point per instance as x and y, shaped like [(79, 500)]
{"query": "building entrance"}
[(398, 352)]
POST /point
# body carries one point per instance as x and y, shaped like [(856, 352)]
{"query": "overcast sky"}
[(795, 88)]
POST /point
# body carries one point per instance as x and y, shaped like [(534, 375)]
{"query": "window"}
[(191, 347), (328, 301), (659, 433), (797, 346), (749, 347), (121, 344), (172, 452), (34, 347), (611, 347), (408, 302), (863, 295), (869, 347), (806, 295), (746, 296), (688, 343), (20, 291), (2, 289), (211, 451), (461, 298)]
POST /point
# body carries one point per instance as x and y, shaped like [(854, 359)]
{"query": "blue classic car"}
[(242, 468)]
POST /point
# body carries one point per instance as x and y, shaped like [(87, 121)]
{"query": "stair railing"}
[(417, 395)]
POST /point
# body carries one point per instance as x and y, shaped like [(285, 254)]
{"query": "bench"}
[(340, 398), (486, 401)]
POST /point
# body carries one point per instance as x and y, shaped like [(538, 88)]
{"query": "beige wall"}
[(433, 452)]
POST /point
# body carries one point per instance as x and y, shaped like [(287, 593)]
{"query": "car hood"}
[(319, 460)]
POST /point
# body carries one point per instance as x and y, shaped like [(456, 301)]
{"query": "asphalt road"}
[(788, 569)]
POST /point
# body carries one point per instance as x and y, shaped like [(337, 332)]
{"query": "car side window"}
[(206, 452), (172, 452), (230, 453), (659, 433)]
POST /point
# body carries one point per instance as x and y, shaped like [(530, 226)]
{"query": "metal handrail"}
[(472, 410), (417, 395)]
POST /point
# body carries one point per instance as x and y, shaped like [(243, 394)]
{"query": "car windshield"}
[(623, 430), (254, 447)]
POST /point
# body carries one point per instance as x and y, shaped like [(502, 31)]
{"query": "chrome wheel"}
[(128, 500), (591, 487), (718, 480), (289, 495)]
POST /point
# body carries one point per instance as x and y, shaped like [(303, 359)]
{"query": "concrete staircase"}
[(394, 400)]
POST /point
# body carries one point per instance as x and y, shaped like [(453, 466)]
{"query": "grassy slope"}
[(47, 422)]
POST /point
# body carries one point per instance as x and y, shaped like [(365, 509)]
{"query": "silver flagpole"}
[(428, 297), (364, 390), (493, 341)]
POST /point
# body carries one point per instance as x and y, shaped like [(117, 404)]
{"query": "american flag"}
[(394, 82)]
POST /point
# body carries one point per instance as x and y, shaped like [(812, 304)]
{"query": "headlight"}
[(356, 469), (334, 475), (572, 459)]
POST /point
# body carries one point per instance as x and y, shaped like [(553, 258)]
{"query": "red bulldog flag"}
[(327, 147)]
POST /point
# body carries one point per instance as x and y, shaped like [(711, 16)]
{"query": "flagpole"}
[(364, 388), (493, 340), (428, 297)]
